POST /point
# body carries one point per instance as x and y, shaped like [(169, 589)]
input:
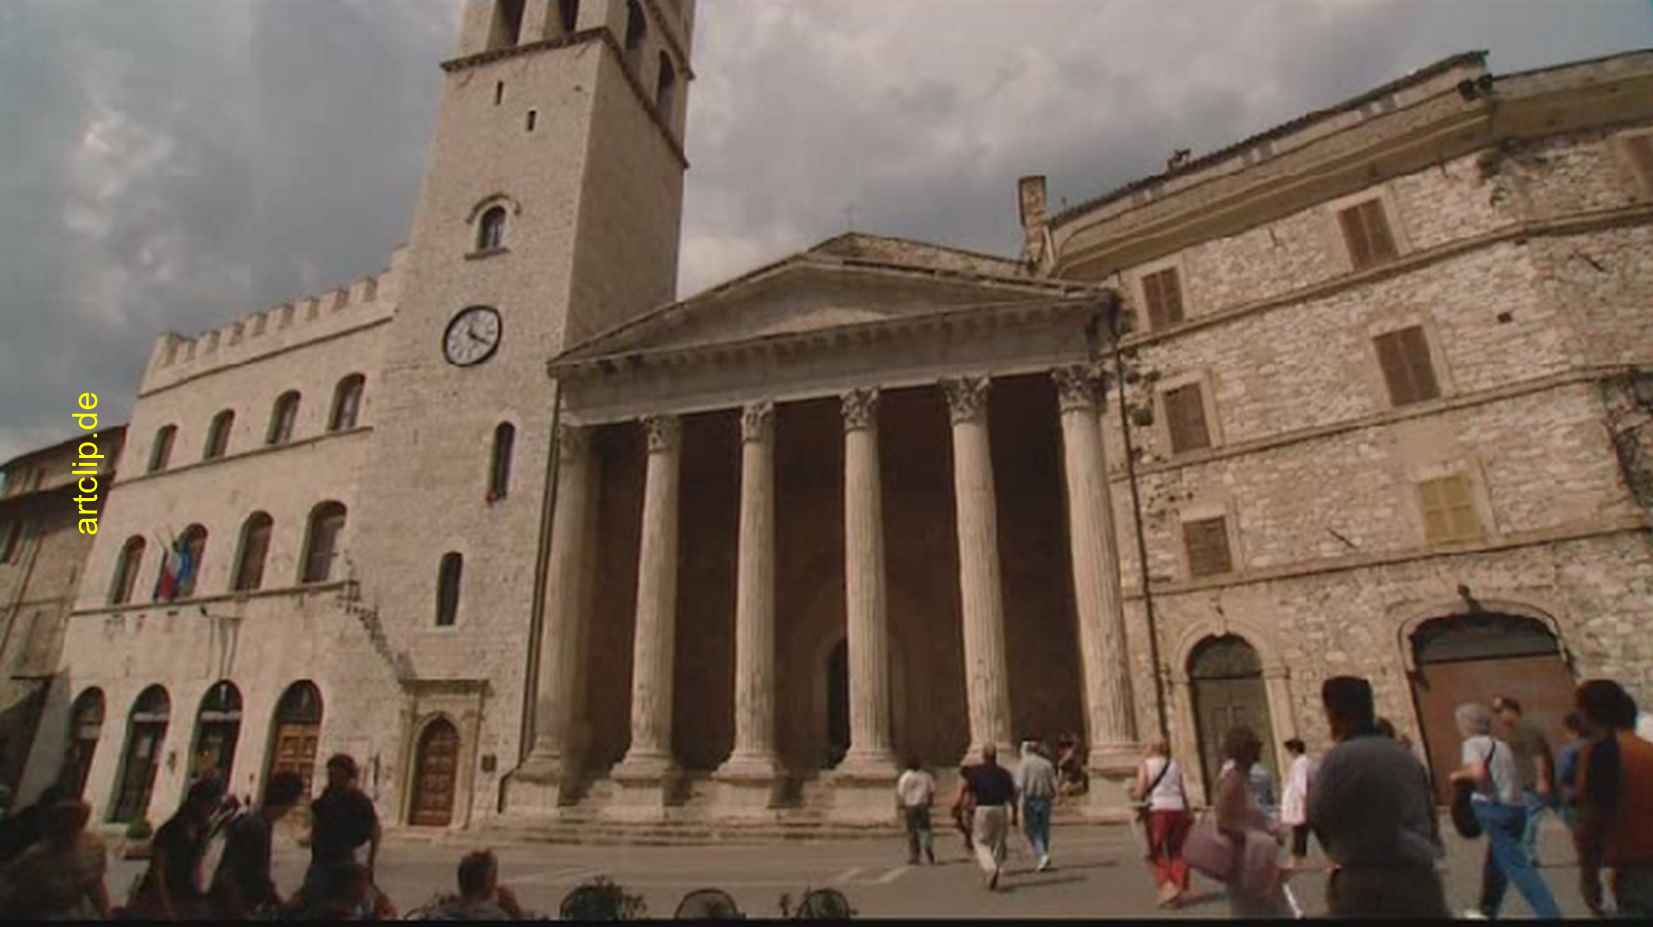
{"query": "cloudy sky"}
[(172, 164)]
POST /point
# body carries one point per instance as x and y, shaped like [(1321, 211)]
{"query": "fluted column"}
[(754, 753), (560, 635), (1095, 555), (986, 672), (864, 590), (655, 635)]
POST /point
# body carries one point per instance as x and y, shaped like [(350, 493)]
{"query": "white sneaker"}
[(1044, 862), (1473, 914)]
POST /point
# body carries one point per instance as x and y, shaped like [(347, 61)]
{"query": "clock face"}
[(472, 337)]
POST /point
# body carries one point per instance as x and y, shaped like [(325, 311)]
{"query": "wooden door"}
[(1542, 684), (295, 751), (1223, 704), (138, 778), (435, 776)]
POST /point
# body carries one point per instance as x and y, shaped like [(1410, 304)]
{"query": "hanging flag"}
[(176, 569)]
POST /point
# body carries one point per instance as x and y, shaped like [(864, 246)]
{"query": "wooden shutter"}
[(1404, 357), (1207, 544), (1185, 419), (1163, 293), (1449, 510), (1366, 231), (1640, 148), (1354, 235)]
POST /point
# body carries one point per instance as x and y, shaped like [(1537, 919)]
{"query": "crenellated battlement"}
[(281, 327)]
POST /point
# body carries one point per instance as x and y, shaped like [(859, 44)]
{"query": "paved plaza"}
[(1098, 874)]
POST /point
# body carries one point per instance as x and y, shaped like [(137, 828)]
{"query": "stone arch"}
[(1410, 618), (1276, 685), (510, 203)]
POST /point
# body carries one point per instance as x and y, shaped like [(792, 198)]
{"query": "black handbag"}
[(1463, 805)]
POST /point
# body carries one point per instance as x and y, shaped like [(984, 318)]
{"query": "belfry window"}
[(665, 90), (490, 232), (637, 29), (447, 588)]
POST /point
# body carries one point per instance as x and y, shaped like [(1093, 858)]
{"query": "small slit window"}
[(665, 89), (533, 116), (499, 464), (447, 588), (569, 10), (637, 28), (490, 232)]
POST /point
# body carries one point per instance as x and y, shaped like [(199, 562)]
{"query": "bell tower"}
[(549, 211)]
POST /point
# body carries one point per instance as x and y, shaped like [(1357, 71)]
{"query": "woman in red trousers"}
[(1161, 795)]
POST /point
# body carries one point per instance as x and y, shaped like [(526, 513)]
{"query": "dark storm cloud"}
[(171, 164)]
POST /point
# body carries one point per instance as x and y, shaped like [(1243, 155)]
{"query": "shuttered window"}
[(1404, 357), (1207, 544), (1366, 232), (1640, 148), (1449, 510), (1185, 419), (1162, 292)]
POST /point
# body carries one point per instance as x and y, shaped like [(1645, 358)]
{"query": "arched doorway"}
[(837, 702), (1227, 677), (436, 769), (85, 727), (145, 734), (217, 730), (296, 732), (1474, 657)]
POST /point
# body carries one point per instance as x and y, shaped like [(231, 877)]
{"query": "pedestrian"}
[(1615, 789), (1070, 763), (171, 890), (995, 792), (1566, 768), (1036, 786), (1163, 800), (1242, 820), (915, 791), (1534, 765), (964, 810), (1490, 764), (243, 883), (22, 830), (61, 876), (342, 820), (1294, 799), (481, 897), (1372, 810), (1261, 785)]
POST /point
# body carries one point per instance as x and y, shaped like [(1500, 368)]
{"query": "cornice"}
[(178, 606), (258, 451)]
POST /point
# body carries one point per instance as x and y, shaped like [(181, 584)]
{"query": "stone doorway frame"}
[(1276, 685), (460, 702)]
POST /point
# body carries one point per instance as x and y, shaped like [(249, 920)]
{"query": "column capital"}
[(573, 441), (662, 432), (967, 397), (757, 422), (1080, 386), (860, 408)]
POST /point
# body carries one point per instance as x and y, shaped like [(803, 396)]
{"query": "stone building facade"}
[(44, 495), (537, 542)]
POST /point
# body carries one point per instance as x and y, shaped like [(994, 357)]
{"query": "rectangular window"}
[(1207, 543), (1449, 510), (1404, 357), (1366, 232), (1162, 292), (1185, 419)]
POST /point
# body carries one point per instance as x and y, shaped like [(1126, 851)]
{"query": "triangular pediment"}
[(820, 290)]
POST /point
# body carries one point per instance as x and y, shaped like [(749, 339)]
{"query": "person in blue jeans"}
[(1534, 766), (1036, 785), (1490, 765)]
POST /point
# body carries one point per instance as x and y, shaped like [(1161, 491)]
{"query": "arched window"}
[(447, 588), (126, 571), (637, 28), (665, 90), (570, 10), (490, 232), (161, 451), (282, 418), (218, 435), (347, 403), (145, 736), (321, 542), (85, 728), (297, 732), (499, 467), (255, 546), (217, 730), (181, 566)]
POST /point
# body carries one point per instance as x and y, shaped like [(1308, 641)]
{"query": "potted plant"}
[(138, 835)]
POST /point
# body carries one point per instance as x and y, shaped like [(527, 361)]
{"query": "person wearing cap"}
[(342, 820)]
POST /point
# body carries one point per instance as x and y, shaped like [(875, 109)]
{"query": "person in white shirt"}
[(1294, 799), (1489, 763), (1163, 802), (1036, 789), (914, 792)]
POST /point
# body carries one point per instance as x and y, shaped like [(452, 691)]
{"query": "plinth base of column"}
[(748, 786), (863, 788), (644, 784), (1118, 759), (1112, 770)]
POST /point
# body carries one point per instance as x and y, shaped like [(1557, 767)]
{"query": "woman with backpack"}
[(1162, 806)]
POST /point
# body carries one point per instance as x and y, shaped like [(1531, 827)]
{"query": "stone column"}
[(986, 672), (1110, 717), (870, 752), (560, 636), (650, 755), (754, 755)]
